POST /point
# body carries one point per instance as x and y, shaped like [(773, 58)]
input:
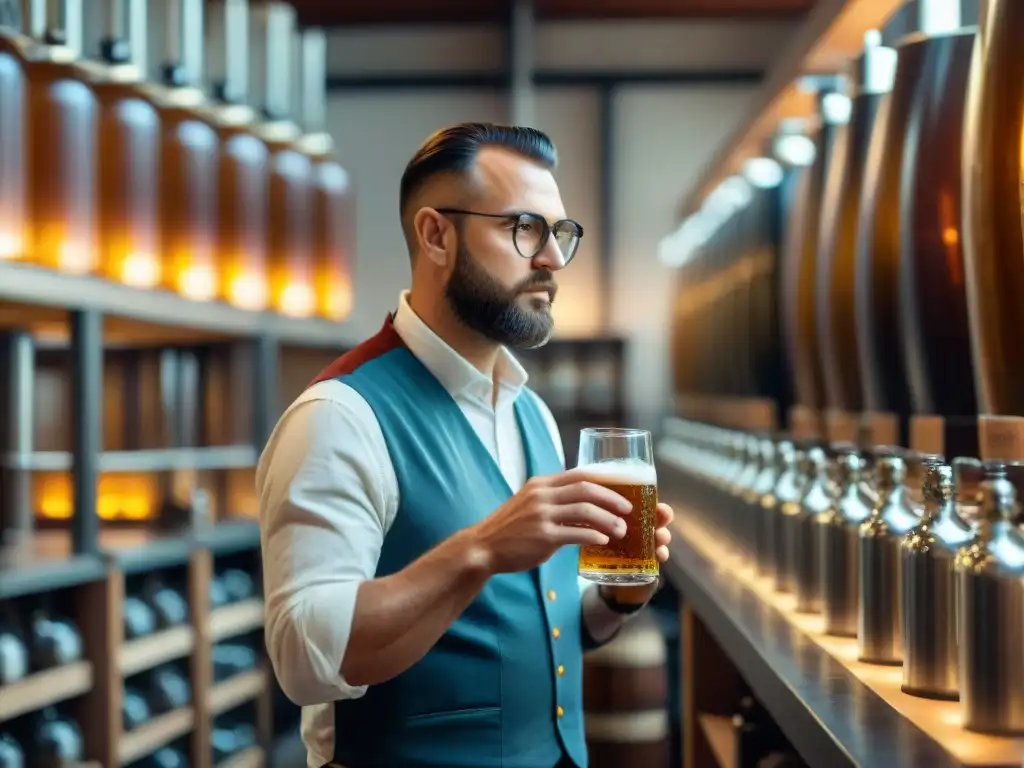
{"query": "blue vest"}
[(502, 688)]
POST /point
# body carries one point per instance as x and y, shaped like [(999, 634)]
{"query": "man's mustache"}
[(543, 280)]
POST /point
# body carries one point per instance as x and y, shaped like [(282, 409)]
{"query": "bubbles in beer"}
[(631, 559)]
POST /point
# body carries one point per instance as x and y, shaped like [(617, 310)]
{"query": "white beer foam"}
[(622, 472)]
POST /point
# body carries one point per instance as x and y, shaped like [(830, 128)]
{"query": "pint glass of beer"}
[(622, 461)]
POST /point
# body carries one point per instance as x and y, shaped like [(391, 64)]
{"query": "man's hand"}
[(547, 513), (629, 595)]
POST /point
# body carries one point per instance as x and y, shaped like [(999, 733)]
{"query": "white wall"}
[(662, 136)]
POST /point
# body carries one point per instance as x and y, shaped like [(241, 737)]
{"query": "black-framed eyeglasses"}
[(530, 232)]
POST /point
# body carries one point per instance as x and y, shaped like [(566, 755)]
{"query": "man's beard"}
[(483, 304)]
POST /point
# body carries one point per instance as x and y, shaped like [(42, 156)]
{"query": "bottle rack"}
[(198, 613)]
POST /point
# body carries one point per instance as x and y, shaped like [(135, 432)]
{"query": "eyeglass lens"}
[(532, 232)]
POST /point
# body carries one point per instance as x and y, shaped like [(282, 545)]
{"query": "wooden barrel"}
[(626, 699)]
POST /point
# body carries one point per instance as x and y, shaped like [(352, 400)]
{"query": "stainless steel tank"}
[(785, 489), (762, 490), (798, 531), (788, 492), (929, 588), (839, 547), (990, 586), (879, 628)]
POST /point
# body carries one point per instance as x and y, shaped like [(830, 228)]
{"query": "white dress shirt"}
[(328, 496)]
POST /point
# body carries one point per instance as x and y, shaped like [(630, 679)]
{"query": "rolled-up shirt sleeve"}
[(325, 508)]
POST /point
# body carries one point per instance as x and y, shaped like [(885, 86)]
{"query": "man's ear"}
[(431, 230)]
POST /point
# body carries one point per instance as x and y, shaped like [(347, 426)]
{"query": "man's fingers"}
[(591, 516), (591, 493), (572, 534)]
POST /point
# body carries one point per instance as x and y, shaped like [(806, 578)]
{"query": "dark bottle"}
[(877, 261), (129, 153), (993, 239), (933, 297), (837, 243), (800, 264), (290, 190), (61, 129), (774, 189), (15, 45), (243, 172), (334, 212)]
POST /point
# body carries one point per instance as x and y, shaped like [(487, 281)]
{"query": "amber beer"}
[(620, 460)]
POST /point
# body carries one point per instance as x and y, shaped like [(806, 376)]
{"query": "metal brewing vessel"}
[(929, 589), (788, 492), (762, 489), (785, 489), (879, 628), (743, 519), (839, 547), (990, 586), (798, 523)]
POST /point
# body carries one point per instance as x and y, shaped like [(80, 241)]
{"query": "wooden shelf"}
[(48, 290), (253, 757), (45, 688), (236, 690), (156, 649), (94, 687), (718, 732), (830, 38), (159, 731), (237, 619)]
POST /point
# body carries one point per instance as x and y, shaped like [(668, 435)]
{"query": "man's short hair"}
[(454, 150)]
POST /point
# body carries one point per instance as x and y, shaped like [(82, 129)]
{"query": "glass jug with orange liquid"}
[(334, 222), (61, 121), (129, 153), (290, 189), (14, 53)]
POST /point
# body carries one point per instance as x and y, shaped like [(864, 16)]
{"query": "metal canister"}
[(990, 586), (879, 626), (798, 523), (763, 487), (788, 492), (839, 546), (785, 489), (929, 589), (749, 503)]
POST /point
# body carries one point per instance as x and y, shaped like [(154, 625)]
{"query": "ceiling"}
[(347, 13)]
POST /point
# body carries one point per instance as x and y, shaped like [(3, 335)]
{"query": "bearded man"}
[(420, 532)]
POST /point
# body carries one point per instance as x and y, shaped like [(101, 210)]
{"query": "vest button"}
[(551, 594), (561, 670), (556, 633), (560, 711)]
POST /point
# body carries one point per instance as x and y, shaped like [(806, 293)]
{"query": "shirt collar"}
[(456, 374)]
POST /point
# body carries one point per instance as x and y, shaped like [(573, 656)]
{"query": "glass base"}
[(619, 578)]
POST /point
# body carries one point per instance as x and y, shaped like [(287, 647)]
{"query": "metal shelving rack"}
[(83, 316)]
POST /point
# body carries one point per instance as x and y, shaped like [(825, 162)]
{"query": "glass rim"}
[(614, 432)]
